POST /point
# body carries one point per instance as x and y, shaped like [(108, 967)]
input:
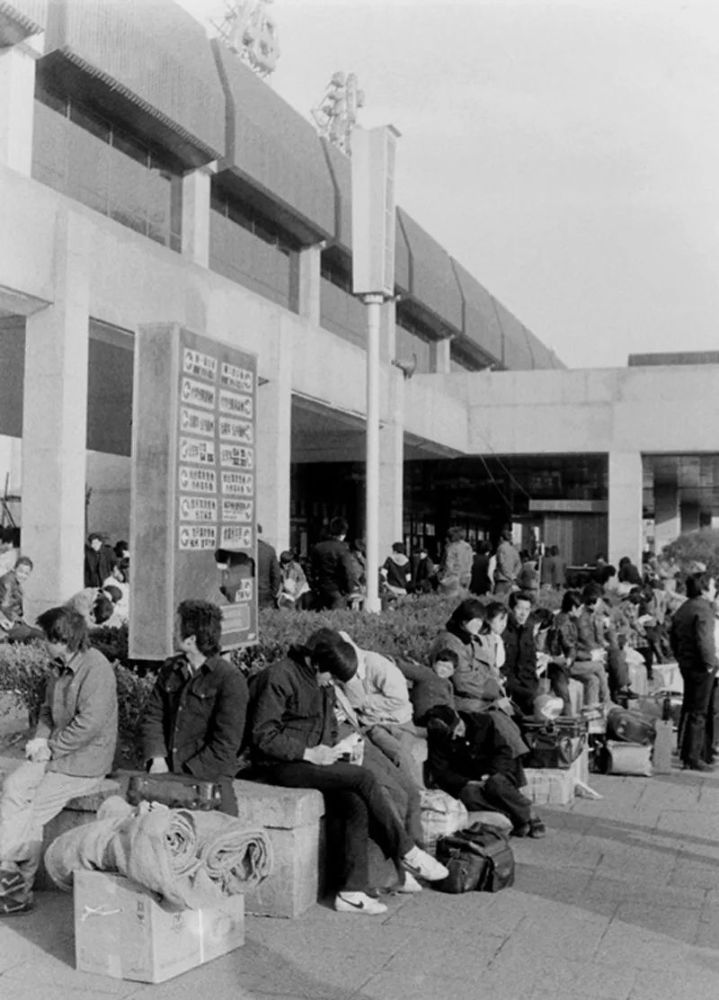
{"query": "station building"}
[(148, 176)]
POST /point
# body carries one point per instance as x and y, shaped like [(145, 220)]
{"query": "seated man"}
[(194, 720), (13, 627), (294, 742), (520, 664), (471, 759), (71, 752), (372, 698)]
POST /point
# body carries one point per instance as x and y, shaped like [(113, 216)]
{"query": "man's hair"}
[(399, 547), (520, 595), (338, 526), (591, 592), (698, 583), (25, 561), (456, 534), (570, 601), (64, 625), (203, 620), (543, 617), (441, 719), (332, 654)]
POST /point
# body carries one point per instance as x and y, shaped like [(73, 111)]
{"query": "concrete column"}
[(55, 425), (17, 108), (625, 506), (440, 358), (666, 514), (689, 517), (391, 474), (306, 281), (196, 214), (274, 452)]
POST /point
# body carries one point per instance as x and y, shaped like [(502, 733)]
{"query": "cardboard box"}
[(122, 930)]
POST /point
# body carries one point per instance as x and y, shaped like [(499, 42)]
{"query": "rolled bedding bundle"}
[(190, 859)]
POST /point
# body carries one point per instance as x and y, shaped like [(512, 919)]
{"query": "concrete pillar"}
[(196, 214), (689, 517), (625, 506), (306, 282), (391, 474), (55, 425), (440, 357), (274, 436), (666, 514), (17, 108)]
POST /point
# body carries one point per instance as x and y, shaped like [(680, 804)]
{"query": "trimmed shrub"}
[(692, 547)]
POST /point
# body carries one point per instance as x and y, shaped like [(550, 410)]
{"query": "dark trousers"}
[(617, 669), (355, 799), (523, 694), (500, 792), (329, 599), (697, 720)]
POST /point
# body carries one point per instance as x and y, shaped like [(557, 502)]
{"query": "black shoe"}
[(522, 830), (698, 765), (537, 829), (627, 693)]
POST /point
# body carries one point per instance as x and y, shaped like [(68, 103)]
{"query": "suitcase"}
[(178, 791), (554, 744)]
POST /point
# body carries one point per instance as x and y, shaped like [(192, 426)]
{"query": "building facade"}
[(148, 176)]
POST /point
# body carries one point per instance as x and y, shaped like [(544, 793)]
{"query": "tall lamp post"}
[(373, 234)]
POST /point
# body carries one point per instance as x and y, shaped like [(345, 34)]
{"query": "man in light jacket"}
[(71, 752)]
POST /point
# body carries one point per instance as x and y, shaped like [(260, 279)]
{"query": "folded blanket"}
[(190, 859)]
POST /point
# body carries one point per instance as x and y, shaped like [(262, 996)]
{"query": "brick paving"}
[(619, 902)]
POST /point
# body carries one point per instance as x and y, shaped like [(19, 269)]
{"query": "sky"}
[(566, 152)]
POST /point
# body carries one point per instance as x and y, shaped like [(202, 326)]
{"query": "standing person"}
[(553, 569), (13, 627), (424, 572), (456, 571), (692, 641), (70, 754), (520, 664), (334, 574), (294, 735), (99, 559), (269, 578), (194, 719), (397, 572), (508, 565), (480, 582), (295, 590), (528, 576)]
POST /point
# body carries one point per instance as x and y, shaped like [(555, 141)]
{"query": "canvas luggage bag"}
[(477, 858), (554, 743), (630, 726), (628, 758)]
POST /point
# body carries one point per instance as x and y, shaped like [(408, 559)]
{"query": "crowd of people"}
[(341, 719)]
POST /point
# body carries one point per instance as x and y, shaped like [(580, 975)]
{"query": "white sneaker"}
[(410, 884), (422, 865), (358, 902)]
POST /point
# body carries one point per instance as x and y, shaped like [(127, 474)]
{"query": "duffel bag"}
[(555, 744), (461, 853), (629, 726), (178, 791), (629, 758)]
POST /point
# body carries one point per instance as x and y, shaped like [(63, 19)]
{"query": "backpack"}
[(477, 858)]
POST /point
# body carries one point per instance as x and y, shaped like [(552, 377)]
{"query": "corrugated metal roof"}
[(516, 354), (155, 55), (273, 147), (20, 19), (432, 278), (481, 325)]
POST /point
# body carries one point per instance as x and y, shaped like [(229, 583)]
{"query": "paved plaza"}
[(619, 902)]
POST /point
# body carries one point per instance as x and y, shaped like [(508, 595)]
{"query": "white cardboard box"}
[(124, 931)]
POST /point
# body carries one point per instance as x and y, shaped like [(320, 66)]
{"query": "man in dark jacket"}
[(334, 575), (70, 754), (194, 720), (99, 560), (472, 760), (294, 741), (520, 665), (692, 641), (269, 575)]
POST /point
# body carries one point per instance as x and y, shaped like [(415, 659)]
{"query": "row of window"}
[(91, 159)]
